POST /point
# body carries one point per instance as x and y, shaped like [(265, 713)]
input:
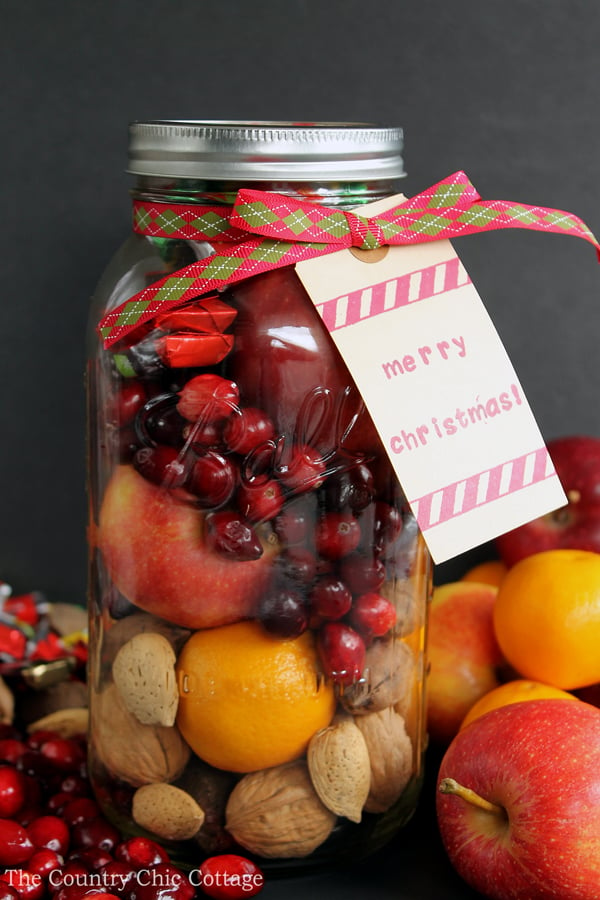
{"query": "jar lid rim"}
[(265, 151)]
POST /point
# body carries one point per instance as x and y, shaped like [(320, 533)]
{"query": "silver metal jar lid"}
[(265, 151)]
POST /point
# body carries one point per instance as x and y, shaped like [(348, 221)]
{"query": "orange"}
[(490, 572), (547, 617), (249, 700), (514, 692)]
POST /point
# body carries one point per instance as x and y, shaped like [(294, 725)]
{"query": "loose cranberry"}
[(208, 398), (117, 876), (362, 572), (284, 613), (36, 765), (261, 501), (57, 802), (372, 615), (161, 465), (230, 876), (212, 479), (65, 754), (247, 429), (11, 749), (141, 853), (28, 885), (330, 598), (302, 469), (80, 809), (71, 875), (337, 535), (342, 652), (28, 814), (163, 882), (44, 861), (230, 534), (75, 785), (15, 844), (49, 832), (130, 399), (7, 892), (95, 833), (35, 739), (12, 791), (93, 858)]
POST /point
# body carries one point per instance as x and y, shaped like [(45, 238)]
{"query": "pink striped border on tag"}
[(485, 487), (387, 295)]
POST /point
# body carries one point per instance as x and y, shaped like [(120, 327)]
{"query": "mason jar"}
[(258, 583)]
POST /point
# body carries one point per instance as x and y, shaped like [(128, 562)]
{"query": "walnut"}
[(387, 679)]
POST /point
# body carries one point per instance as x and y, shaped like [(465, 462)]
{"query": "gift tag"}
[(440, 388)]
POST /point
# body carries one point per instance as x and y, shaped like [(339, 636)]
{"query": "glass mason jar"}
[(258, 583)]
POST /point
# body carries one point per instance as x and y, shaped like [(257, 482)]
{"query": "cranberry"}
[(161, 465), (292, 523), (230, 534), (353, 488), (247, 429), (303, 469), (6, 891), (362, 573), (80, 809), (337, 535), (372, 615), (283, 612), (12, 791), (130, 399), (49, 832), (208, 398), (163, 882), (15, 844), (93, 858), (299, 564), (330, 598), (117, 875), (44, 861), (141, 853), (75, 785), (36, 738), (202, 436), (158, 422), (72, 874), (28, 885), (213, 479), (342, 652), (36, 765), (57, 802), (28, 814), (11, 749), (95, 833), (66, 754), (388, 524), (260, 501), (230, 876)]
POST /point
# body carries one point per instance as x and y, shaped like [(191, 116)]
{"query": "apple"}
[(518, 801), (153, 546), (463, 654), (576, 525)]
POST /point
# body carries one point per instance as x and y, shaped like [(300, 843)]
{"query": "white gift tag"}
[(440, 388)]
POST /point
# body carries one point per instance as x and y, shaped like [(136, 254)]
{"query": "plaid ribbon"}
[(265, 230)]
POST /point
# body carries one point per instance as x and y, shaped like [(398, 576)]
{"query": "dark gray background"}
[(508, 90)]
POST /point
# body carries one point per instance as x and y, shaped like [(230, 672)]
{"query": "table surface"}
[(413, 866)]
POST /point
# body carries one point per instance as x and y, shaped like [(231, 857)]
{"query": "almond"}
[(66, 723), (144, 673), (390, 755), (338, 762), (167, 811)]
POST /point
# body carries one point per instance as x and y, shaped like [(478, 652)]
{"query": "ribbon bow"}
[(266, 230)]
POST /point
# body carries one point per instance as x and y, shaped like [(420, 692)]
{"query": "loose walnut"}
[(277, 813), (391, 757), (136, 753), (338, 762), (167, 812), (144, 673), (387, 679)]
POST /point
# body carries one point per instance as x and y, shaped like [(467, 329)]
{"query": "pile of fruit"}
[(514, 697)]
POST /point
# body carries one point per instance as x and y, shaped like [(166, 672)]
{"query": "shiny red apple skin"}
[(576, 526), (540, 760), (154, 549)]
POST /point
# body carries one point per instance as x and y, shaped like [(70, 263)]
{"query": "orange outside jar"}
[(258, 583)]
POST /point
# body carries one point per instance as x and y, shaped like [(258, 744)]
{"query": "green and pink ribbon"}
[(264, 230)]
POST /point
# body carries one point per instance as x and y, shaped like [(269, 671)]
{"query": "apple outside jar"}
[(258, 584)]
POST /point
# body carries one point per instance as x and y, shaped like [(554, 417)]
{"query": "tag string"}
[(264, 230)]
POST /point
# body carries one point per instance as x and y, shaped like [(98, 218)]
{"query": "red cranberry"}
[(92, 858), (75, 785), (337, 535), (80, 809), (212, 479), (330, 598), (28, 814), (292, 523), (11, 749), (36, 765), (72, 874), (230, 876), (141, 853), (372, 615), (247, 429), (45, 861), (353, 488), (203, 436), (28, 885), (162, 882), (35, 739), (299, 564), (261, 501), (57, 802), (6, 891), (388, 524), (283, 612), (230, 534), (208, 398), (130, 399), (95, 833), (15, 844), (161, 465), (362, 572), (159, 422), (303, 469), (12, 791), (117, 876), (49, 832), (342, 652)]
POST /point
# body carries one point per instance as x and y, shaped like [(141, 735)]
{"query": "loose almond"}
[(66, 723), (144, 673), (167, 811), (338, 762)]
